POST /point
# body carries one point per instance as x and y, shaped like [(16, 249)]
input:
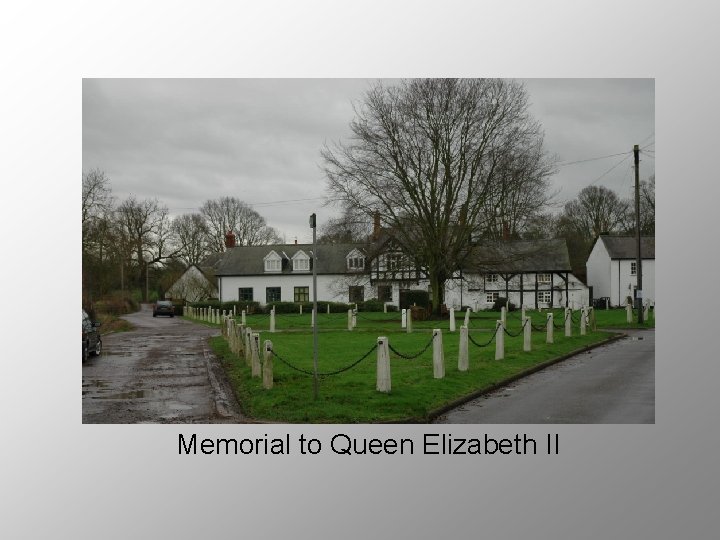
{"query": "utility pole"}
[(315, 313), (638, 260)]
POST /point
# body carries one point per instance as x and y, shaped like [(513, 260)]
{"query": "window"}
[(273, 262), (544, 297), (356, 263), (302, 294), (492, 278), (395, 261), (357, 294), (492, 297), (633, 268), (301, 262), (272, 294), (544, 278), (245, 294), (385, 293)]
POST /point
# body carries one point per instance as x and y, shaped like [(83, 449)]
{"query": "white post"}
[(272, 320), (527, 334), (267, 368), (522, 313), (328, 309), (350, 325), (467, 317), (243, 317), (255, 360), (503, 316), (354, 317), (646, 311), (550, 329), (241, 340), (300, 309), (452, 319), (383, 366), (312, 318), (463, 349), (583, 321), (628, 311), (234, 310), (384, 307), (438, 355), (499, 340), (248, 344), (403, 319), (568, 322), (409, 327)]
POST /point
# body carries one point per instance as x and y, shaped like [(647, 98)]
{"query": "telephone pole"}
[(638, 260)]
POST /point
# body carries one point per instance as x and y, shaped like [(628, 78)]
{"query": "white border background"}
[(61, 479)]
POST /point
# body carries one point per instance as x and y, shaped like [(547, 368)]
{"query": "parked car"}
[(91, 340), (163, 307)]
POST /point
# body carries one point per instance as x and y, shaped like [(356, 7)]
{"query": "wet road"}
[(614, 384), (161, 372)]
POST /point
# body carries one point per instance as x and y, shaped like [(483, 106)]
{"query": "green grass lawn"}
[(350, 396)]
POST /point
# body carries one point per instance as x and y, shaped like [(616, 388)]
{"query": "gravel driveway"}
[(161, 372)]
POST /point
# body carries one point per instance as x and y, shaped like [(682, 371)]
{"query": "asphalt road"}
[(613, 384), (161, 372)]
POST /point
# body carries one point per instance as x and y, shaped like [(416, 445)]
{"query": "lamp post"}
[(315, 326)]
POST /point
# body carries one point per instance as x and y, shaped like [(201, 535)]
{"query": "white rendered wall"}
[(622, 283), (598, 268)]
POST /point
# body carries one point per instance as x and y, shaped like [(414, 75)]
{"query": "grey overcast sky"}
[(185, 141)]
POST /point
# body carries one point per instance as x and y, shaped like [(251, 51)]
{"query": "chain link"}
[(326, 373), (485, 344), (409, 357)]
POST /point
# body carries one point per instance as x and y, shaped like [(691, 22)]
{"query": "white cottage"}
[(612, 268)]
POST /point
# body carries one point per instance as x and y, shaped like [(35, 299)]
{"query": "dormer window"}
[(273, 262), (355, 260), (301, 262)]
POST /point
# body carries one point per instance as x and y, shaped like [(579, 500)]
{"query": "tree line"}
[(135, 244)]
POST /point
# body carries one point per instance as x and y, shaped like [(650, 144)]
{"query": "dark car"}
[(91, 340), (163, 307)]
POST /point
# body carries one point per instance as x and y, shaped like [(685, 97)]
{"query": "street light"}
[(313, 226)]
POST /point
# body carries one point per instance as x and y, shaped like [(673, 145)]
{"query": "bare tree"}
[(352, 226), (190, 232), (96, 202), (425, 154), (231, 214), (596, 210), (647, 208)]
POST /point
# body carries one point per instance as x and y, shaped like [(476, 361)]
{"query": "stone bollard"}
[(467, 317), (628, 312), (452, 319), (300, 309), (583, 321), (568, 322), (463, 349), (267, 367), (593, 322), (350, 325), (272, 321), (403, 319), (522, 313), (312, 318), (241, 340), (248, 344), (499, 340), (438, 355), (384, 382), (503, 316), (409, 326), (384, 307), (550, 328), (328, 309), (646, 311), (243, 317), (354, 317), (255, 359), (234, 310), (527, 334)]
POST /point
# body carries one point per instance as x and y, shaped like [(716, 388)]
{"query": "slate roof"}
[(625, 247), (519, 256), (249, 260)]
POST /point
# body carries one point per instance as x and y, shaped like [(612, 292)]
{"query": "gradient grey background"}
[(61, 479)]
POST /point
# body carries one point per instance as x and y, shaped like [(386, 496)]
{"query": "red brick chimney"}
[(229, 239)]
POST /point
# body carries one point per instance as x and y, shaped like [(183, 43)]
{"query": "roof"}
[(520, 256), (248, 260), (625, 247)]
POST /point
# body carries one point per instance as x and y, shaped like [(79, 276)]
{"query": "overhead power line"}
[(603, 175), (566, 163)]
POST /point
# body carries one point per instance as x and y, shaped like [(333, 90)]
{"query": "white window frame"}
[(492, 278), (301, 262), (544, 297), (355, 260), (544, 278), (273, 263), (492, 296), (633, 268)]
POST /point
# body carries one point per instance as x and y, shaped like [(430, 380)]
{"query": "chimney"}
[(229, 239), (296, 240), (376, 226)]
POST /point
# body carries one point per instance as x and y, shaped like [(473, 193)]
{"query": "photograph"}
[(361, 251)]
